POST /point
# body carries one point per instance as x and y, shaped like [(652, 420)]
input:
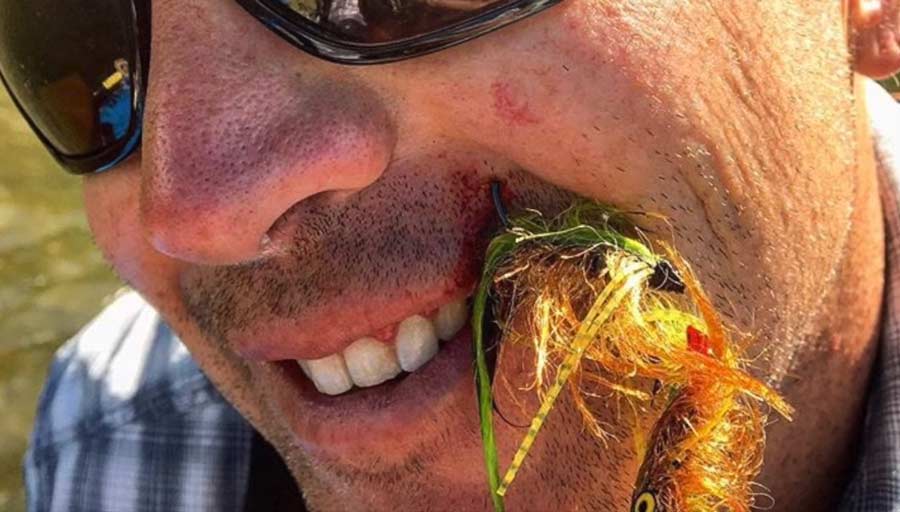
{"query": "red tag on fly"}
[(697, 341)]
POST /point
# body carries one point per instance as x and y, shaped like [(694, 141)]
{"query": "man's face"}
[(284, 207)]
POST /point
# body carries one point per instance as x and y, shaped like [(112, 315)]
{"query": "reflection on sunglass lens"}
[(69, 64), (383, 21)]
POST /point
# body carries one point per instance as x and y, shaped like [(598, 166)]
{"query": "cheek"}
[(113, 210), (639, 106), (564, 96)]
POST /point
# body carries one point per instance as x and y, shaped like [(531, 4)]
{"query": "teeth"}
[(304, 365), (450, 319), (371, 362), (329, 374), (416, 342)]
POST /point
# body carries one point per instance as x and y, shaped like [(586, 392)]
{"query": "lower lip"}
[(344, 424)]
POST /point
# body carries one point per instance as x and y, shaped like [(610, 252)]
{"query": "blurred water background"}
[(52, 280)]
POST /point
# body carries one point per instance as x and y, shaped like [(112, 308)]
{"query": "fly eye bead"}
[(646, 502)]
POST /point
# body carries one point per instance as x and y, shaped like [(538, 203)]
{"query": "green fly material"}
[(594, 294)]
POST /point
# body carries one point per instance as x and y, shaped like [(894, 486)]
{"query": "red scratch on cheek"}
[(509, 107)]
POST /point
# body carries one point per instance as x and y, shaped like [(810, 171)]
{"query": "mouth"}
[(378, 391), (357, 337), (396, 351)]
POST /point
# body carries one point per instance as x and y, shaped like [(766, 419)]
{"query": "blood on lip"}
[(388, 333), (319, 330)]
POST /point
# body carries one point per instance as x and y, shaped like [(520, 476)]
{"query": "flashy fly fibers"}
[(593, 294)]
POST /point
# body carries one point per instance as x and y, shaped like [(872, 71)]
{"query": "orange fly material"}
[(592, 319)]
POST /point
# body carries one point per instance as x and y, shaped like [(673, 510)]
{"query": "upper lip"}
[(347, 270), (319, 334)]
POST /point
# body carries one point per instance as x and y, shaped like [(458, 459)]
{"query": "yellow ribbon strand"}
[(633, 274)]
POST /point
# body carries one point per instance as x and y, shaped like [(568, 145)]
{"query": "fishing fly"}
[(593, 292)]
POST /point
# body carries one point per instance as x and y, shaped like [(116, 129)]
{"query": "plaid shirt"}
[(128, 423), (875, 484)]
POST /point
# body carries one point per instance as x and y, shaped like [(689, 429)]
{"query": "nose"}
[(239, 129)]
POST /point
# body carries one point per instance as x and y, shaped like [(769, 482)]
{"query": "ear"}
[(875, 36)]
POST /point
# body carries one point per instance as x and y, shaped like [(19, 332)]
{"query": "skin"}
[(335, 199)]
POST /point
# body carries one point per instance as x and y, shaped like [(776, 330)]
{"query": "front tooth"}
[(450, 319), (416, 342), (371, 362), (329, 374), (304, 366)]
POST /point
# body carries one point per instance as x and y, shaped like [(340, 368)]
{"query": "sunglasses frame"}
[(298, 31), (113, 154), (316, 41)]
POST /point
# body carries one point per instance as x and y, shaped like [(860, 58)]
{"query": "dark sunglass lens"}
[(384, 21), (69, 64)]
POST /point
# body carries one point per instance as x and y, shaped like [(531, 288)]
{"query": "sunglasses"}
[(77, 70)]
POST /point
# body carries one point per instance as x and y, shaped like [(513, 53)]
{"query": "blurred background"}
[(52, 281), (893, 85)]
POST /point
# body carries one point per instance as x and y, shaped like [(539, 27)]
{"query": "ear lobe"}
[(875, 36)]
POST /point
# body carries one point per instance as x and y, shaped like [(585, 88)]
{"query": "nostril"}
[(215, 183), (305, 224), (202, 236), (215, 220)]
